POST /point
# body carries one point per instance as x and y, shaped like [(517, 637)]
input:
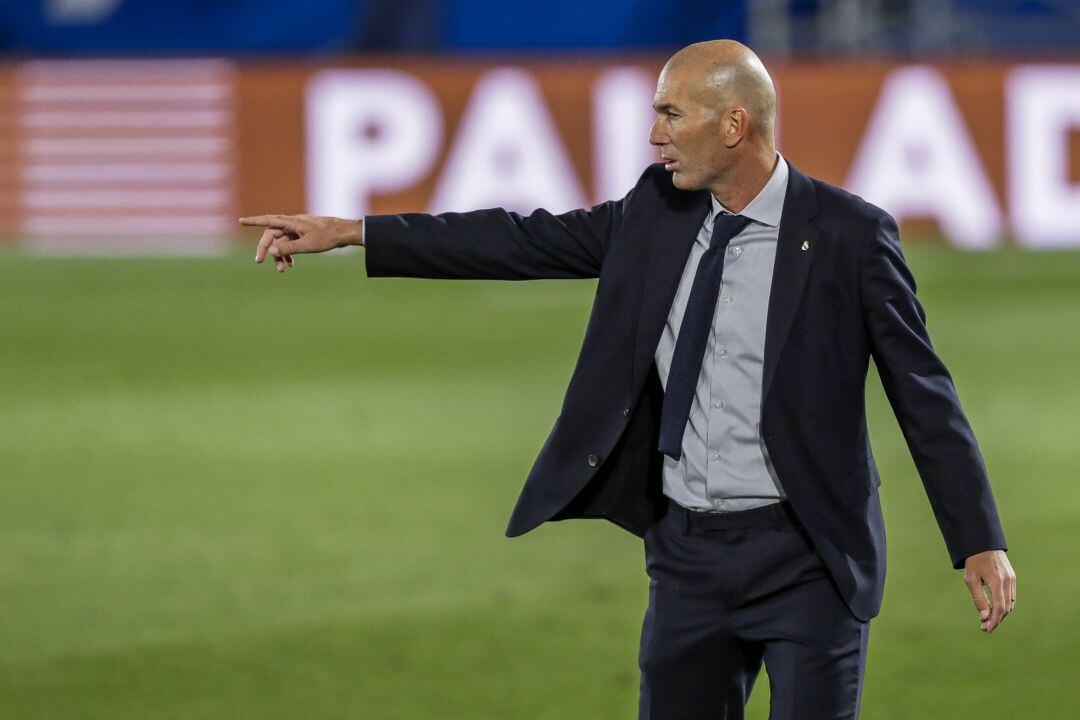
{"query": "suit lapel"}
[(794, 252), (671, 239)]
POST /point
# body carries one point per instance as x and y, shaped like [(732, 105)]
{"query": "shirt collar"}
[(768, 204)]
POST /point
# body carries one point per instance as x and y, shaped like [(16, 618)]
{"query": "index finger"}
[(286, 222)]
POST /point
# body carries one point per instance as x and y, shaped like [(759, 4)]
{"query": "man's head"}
[(715, 108)]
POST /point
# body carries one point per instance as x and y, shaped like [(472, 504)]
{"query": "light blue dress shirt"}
[(725, 465)]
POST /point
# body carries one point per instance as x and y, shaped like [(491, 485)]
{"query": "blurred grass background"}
[(229, 494)]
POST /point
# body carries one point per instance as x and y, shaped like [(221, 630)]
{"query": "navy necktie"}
[(694, 335)]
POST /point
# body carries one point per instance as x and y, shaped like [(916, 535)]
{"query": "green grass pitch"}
[(226, 493)]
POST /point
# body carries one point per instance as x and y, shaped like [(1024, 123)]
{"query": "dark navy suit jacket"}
[(841, 294)]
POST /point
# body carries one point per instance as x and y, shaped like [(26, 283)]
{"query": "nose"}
[(656, 137)]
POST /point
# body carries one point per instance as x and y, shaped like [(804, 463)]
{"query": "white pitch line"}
[(88, 199), (180, 68), (124, 246), (129, 146), (130, 172), (134, 92), (112, 224), (142, 119)]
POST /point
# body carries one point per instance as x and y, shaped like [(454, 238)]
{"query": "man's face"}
[(688, 131)]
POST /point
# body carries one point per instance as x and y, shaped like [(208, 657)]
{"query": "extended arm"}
[(492, 244), (482, 244), (928, 410)]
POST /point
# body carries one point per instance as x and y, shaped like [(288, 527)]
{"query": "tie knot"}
[(726, 227)]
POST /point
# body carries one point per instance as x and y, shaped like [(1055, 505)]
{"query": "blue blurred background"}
[(774, 27)]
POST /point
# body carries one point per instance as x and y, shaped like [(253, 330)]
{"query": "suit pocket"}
[(860, 485)]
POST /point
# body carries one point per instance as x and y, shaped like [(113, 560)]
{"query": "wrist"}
[(352, 233)]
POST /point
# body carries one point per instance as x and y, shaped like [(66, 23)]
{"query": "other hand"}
[(993, 570), (287, 235)]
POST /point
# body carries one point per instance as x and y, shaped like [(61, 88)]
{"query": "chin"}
[(681, 181)]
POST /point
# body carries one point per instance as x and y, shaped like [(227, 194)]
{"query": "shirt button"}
[(719, 503), (592, 460), (718, 404), (716, 457), (727, 300), (737, 250), (722, 350)]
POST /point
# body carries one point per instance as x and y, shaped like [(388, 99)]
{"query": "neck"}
[(738, 187)]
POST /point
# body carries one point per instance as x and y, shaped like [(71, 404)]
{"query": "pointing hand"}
[(288, 235)]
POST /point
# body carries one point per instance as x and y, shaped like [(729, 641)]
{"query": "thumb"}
[(974, 584), (282, 246), (309, 242)]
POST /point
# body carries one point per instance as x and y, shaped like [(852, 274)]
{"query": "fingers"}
[(279, 250), (997, 613), (277, 245), (974, 583), (287, 235), (283, 222), (1009, 594), (285, 261), (268, 237), (991, 572), (312, 242), (282, 245)]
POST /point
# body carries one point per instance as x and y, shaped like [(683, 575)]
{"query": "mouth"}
[(669, 164)]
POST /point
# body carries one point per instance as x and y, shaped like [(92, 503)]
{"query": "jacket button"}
[(592, 460), (626, 412)]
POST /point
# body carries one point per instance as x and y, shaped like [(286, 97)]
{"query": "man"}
[(717, 406)]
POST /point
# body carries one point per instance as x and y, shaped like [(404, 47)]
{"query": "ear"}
[(736, 124)]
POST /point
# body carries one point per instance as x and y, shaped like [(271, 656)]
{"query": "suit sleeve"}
[(492, 244), (925, 401)]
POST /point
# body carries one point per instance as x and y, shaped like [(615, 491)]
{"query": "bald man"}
[(717, 406)]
